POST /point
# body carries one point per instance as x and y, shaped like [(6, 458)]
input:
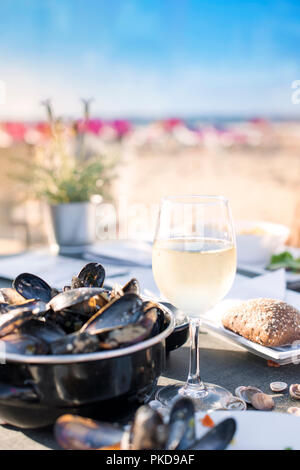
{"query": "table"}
[(221, 362)]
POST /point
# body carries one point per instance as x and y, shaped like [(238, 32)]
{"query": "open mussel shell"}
[(181, 433), (235, 404), (11, 296), (91, 275), (76, 343), (148, 430), (47, 331), (116, 314), (246, 392), (83, 300), (129, 334), (278, 386), (16, 343), (16, 317), (31, 286), (77, 433)]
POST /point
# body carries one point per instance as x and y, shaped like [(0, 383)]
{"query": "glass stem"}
[(194, 380)]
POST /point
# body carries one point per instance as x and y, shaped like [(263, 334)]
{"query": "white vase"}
[(73, 225)]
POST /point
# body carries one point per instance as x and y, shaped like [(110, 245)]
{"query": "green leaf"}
[(284, 260)]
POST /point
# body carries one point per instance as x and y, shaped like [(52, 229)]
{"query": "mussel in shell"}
[(148, 430), (181, 433), (131, 287), (91, 275), (47, 331), (16, 317), (76, 343), (31, 286), (129, 334), (75, 432), (116, 314), (16, 343), (11, 296), (84, 300)]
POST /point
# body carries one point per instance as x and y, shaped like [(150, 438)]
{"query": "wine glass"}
[(194, 265)]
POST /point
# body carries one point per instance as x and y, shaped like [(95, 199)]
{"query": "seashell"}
[(278, 386), (294, 410), (246, 393), (262, 401), (236, 403), (295, 391)]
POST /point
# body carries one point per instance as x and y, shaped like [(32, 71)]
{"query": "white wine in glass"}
[(194, 264)]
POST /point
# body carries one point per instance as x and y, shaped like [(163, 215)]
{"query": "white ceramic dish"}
[(258, 240), (259, 430)]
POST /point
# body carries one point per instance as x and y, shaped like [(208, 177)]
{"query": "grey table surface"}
[(222, 362)]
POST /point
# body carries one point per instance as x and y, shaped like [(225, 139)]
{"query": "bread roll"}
[(264, 321)]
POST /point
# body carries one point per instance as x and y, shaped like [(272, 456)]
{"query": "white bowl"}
[(257, 240)]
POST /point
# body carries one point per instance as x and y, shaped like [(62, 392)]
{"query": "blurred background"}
[(131, 100)]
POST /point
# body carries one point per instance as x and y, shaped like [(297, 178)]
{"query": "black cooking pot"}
[(35, 390)]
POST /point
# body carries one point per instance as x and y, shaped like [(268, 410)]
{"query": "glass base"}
[(210, 398)]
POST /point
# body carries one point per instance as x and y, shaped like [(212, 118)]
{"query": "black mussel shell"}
[(148, 430), (91, 275), (4, 307), (76, 343), (11, 296), (129, 334), (117, 313), (85, 299), (132, 287), (16, 343), (77, 433), (181, 425), (17, 316), (32, 287), (47, 331), (217, 438)]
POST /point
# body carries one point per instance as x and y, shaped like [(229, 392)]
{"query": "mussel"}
[(117, 313), (148, 430), (131, 287), (24, 344), (91, 275), (84, 300), (16, 317), (74, 432), (129, 334), (181, 433), (47, 331), (11, 296), (76, 343), (31, 286)]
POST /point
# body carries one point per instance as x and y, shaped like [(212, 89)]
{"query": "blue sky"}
[(150, 57)]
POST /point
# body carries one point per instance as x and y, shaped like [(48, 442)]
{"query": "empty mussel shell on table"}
[(116, 314), (246, 392), (84, 300), (19, 315), (75, 432), (278, 386), (16, 343), (91, 275), (31, 286)]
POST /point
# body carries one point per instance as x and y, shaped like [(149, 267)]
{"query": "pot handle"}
[(9, 393)]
